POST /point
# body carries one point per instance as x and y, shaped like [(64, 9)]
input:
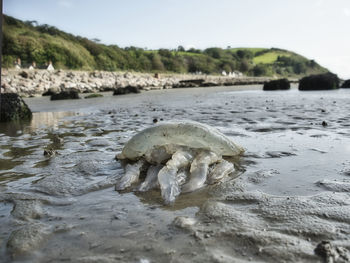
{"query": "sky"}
[(316, 29)]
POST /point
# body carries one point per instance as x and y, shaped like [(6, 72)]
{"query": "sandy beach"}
[(288, 194)]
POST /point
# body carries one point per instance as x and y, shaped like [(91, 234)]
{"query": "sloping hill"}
[(42, 43)]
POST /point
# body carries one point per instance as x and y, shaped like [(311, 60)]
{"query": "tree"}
[(180, 49), (157, 63), (244, 66)]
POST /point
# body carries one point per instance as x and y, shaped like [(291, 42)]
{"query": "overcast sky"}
[(317, 29)]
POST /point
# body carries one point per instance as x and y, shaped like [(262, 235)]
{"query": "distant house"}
[(50, 66), (32, 66)]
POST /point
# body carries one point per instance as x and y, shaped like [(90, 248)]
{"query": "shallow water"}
[(65, 208)]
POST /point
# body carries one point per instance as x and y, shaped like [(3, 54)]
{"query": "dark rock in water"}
[(65, 95), (50, 92), (106, 88), (346, 84), (49, 152), (13, 108), (279, 84), (189, 83), (319, 82), (324, 124), (126, 90)]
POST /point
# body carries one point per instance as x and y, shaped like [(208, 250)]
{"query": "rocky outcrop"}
[(278, 84), (126, 90), (13, 108), (346, 84), (65, 95), (319, 82)]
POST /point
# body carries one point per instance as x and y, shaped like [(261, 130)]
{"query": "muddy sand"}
[(288, 200)]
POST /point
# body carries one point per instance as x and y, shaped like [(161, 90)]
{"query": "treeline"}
[(30, 42)]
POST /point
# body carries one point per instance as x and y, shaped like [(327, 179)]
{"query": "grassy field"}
[(270, 57)]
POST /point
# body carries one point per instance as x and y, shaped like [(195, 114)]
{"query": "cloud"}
[(65, 3)]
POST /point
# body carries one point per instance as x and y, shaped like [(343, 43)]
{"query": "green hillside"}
[(41, 43)]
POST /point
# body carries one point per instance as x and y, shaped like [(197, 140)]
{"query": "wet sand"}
[(292, 190)]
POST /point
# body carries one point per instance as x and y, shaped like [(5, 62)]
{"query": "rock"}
[(13, 108), (49, 152), (50, 91), (319, 82), (65, 95), (346, 84), (189, 83), (126, 90), (24, 74), (330, 253), (279, 84)]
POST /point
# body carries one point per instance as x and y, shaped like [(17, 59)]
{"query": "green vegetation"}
[(42, 43), (93, 95)]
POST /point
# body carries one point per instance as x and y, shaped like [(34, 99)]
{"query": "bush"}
[(260, 70), (319, 82), (279, 84)]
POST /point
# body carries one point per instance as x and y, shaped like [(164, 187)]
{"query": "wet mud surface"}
[(288, 200)]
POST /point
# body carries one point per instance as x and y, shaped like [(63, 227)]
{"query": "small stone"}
[(49, 152), (155, 120), (324, 124)]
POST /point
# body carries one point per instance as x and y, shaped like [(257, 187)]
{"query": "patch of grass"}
[(254, 50), (93, 95), (270, 57)]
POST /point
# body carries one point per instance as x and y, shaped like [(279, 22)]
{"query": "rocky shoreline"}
[(36, 82)]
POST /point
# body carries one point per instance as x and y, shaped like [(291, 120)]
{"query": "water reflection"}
[(40, 120)]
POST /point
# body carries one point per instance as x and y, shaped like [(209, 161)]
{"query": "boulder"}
[(319, 82), (346, 84), (24, 74), (51, 91), (66, 95), (278, 84), (126, 90), (13, 108)]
